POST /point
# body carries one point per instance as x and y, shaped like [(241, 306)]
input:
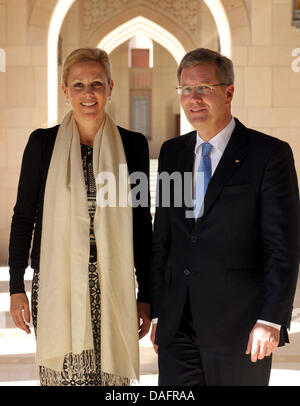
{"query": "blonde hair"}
[(224, 72), (86, 55)]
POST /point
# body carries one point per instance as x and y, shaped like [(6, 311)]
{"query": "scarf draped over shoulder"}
[(64, 318)]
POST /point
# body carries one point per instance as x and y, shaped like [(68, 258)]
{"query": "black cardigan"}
[(28, 211)]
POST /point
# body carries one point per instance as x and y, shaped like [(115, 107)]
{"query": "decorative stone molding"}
[(184, 11), (154, 15), (95, 11)]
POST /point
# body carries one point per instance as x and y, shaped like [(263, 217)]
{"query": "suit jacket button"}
[(187, 272), (194, 238)]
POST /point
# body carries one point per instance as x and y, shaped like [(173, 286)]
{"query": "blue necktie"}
[(202, 177)]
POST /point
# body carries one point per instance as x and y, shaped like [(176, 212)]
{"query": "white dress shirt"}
[(219, 143)]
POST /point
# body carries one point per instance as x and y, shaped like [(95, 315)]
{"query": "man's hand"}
[(263, 340), (18, 304), (152, 337), (143, 318)]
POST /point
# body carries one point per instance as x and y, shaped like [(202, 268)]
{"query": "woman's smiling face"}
[(88, 90)]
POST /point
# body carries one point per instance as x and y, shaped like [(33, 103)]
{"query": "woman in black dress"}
[(83, 252)]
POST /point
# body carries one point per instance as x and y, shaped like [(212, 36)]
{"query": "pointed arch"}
[(56, 22), (59, 13), (143, 26), (219, 14)]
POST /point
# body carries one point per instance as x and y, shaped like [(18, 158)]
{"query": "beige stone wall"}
[(267, 95), (23, 96), (165, 101), (118, 108)]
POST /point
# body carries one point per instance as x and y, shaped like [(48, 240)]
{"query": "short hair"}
[(86, 55), (224, 71)]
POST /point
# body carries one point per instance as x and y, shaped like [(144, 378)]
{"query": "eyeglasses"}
[(200, 89)]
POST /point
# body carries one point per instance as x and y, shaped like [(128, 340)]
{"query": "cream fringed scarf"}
[(64, 320)]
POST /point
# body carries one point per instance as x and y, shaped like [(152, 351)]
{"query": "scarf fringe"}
[(81, 363), (114, 380), (80, 370)]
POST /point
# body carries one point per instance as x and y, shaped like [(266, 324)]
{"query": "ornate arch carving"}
[(236, 11), (140, 9)]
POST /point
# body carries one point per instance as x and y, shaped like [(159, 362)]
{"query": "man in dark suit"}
[(223, 282)]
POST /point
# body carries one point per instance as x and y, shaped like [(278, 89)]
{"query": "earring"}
[(109, 99), (67, 102)]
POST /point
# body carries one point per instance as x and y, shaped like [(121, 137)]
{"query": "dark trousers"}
[(185, 363)]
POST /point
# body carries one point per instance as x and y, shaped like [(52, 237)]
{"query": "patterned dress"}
[(83, 369)]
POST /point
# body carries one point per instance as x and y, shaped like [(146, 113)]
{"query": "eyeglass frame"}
[(180, 88)]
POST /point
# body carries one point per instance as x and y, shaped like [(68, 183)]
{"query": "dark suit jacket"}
[(28, 211), (239, 261)]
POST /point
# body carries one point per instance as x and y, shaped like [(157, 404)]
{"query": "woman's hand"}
[(19, 304), (143, 318)]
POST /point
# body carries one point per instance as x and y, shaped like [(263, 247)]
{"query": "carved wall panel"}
[(184, 12)]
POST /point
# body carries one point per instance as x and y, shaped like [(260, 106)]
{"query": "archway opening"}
[(144, 98), (142, 26), (59, 14)]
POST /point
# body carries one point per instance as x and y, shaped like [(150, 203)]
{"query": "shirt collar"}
[(220, 140)]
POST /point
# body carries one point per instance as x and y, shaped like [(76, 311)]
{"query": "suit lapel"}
[(186, 159), (231, 159), (186, 165)]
